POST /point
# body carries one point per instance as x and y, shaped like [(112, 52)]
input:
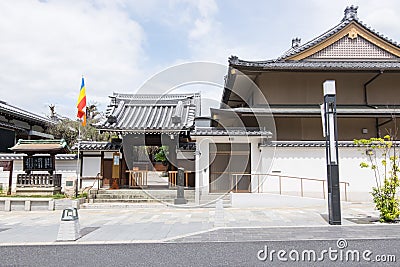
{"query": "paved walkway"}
[(166, 224)]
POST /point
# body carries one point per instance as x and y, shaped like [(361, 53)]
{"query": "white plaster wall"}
[(91, 166), (310, 163), (67, 168), (256, 163), (4, 179), (202, 164)]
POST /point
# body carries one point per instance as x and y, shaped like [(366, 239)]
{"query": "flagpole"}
[(77, 163)]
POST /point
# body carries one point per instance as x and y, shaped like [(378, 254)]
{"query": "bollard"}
[(69, 227), (180, 192)]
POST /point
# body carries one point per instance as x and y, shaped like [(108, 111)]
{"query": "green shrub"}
[(383, 161), (59, 196)]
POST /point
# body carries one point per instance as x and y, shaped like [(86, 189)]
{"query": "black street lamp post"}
[(330, 133)]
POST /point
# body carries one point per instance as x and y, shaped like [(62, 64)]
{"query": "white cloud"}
[(46, 47), (204, 23)]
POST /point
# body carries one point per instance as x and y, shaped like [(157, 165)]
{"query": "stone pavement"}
[(168, 224)]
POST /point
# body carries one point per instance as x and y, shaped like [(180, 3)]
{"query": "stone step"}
[(210, 200), (123, 205), (129, 191), (139, 200), (116, 197), (145, 192)]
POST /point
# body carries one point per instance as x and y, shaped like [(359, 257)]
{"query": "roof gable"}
[(355, 47), (351, 42), (362, 37)]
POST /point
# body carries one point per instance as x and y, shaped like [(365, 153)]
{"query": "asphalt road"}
[(371, 252)]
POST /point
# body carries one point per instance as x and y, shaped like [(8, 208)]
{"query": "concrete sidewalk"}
[(164, 224)]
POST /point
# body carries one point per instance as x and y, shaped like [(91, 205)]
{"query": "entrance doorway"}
[(227, 162)]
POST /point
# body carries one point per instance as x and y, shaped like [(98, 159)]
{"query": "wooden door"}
[(107, 172)]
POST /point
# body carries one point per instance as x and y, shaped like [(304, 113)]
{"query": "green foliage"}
[(162, 154), (69, 129), (82, 195), (56, 196), (59, 196), (383, 161)]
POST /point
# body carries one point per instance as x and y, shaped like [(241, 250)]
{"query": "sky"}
[(47, 46)]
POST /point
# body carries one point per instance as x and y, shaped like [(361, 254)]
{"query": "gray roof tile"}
[(211, 131), (321, 65), (151, 113), (97, 146), (7, 109)]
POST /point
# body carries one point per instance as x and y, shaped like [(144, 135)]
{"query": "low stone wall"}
[(34, 204)]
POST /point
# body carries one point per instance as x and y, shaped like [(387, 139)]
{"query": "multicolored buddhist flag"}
[(81, 104)]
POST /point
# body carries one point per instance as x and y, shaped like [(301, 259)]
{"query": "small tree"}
[(68, 129), (161, 155), (383, 161)]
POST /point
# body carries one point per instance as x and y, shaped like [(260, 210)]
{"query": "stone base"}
[(69, 231), (37, 191), (179, 201)]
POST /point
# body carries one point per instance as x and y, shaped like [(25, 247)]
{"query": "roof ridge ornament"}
[(350, 13), (233, 59), (296, 42)]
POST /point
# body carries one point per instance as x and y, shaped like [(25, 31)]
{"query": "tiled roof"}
[(319, 65), (20, 114), (315, 109), (9, 156), (211, 131), (316, 144), (38, 146), (11, 126), (97, 146), (350, 17), (151, 113)]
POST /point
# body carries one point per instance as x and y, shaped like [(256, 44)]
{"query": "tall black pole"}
[(180, 192), (332, 162)]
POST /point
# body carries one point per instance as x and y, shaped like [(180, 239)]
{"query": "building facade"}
[(366, 68)]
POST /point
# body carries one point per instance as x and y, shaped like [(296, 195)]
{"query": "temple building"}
[(143, 122), (16, 123), (365, 66)]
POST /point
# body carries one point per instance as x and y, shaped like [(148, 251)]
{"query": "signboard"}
[(39, 163)]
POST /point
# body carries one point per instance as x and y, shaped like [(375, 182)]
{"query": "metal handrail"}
[(290, 177)]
